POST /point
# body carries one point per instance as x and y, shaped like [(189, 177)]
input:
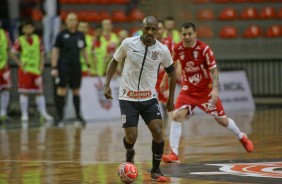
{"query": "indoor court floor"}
[(40, 153)]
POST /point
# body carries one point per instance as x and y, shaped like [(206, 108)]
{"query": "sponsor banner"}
[(94, 106), (234, 91)]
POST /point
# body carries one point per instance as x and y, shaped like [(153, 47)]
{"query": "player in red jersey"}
[(199, 88), (162, 82)]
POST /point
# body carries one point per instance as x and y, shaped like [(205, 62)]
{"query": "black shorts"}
[(130, 111), (70, 78)]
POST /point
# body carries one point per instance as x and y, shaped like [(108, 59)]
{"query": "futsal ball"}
[(127, 172)]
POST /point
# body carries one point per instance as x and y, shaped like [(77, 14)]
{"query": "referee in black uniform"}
[(66, 67)]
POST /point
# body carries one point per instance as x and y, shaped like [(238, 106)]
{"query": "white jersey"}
[(141, 66)]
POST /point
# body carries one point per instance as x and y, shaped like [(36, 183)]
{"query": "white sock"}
[(175, 133), (24, 104), (5, 98), (233, 127), (41, 105)]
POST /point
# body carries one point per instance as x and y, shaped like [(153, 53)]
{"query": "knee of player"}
[(131, 137), (178, 117)]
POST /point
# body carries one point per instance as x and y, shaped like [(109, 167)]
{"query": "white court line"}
[(64, 161)]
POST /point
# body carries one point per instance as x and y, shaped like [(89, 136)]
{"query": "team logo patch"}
[(196, 54), (155, 55), (123, 118), (263, 169)]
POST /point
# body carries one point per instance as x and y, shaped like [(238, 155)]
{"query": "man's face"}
[(188, 36), (83, 27), (107, 25), (71, 21), (169, 24), (28, 29), (149, 32), (160, 31)]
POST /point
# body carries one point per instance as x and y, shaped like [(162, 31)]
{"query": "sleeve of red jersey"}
[(175, 56), (209, 57)]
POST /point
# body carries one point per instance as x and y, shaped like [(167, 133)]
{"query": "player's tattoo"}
[(215, 79)]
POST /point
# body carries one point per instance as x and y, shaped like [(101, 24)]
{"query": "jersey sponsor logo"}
[(198, 48), (263, 169), (155, 55), (66, 36), (139, 94), (182, 57), (190, 67), (210, 107), (135, 51), (196, 54), (180, 48), (195, 79)]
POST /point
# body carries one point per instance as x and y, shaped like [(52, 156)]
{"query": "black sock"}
[(60, 106), (127, 145), (157, 149), (76, 102)]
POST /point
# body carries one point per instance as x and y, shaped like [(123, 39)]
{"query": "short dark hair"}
[(187, 25), (28, 22), (169, 18)]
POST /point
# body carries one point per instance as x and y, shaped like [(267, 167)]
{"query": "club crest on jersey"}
[(155, 55), (196, 54)]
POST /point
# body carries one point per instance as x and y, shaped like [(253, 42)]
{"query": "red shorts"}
[(5, 78), (86, 74), (29, 82), (200, 100)]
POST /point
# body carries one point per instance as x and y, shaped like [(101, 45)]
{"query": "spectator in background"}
[(66, 67), (170, 30), (51, 22), (109, 42), (5, 77), (87, 70), (97, 49), (31, 65)]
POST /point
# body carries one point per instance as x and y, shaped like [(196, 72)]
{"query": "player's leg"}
[(178, 118), (24, 88), (24, 106), (5, 85), (61, 92), (152, 117), (40, 99), (231, 125), (75, 83), (217, 111), (129, 119)]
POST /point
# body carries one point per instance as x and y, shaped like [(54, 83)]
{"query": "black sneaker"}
[(157, 175), (80, 122), (130, 155), (59, 122)]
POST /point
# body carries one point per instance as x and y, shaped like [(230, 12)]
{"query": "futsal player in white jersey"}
[(137, 96)]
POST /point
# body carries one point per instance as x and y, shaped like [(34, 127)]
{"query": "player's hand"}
[(170, 105), (108, 92), (214, 96)]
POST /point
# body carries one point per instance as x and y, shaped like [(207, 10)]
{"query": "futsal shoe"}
[(130, 155), (46, 117), (170, 158), (158, 176), (247, 143)]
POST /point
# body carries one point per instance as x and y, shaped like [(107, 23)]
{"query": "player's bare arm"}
[(172, 83), (215, 82), (54, 61), (110, 72)]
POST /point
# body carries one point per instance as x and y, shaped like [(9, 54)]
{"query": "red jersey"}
[(196, 63), (169, 43)]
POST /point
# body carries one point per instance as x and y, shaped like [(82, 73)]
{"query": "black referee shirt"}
[(70, 45)]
